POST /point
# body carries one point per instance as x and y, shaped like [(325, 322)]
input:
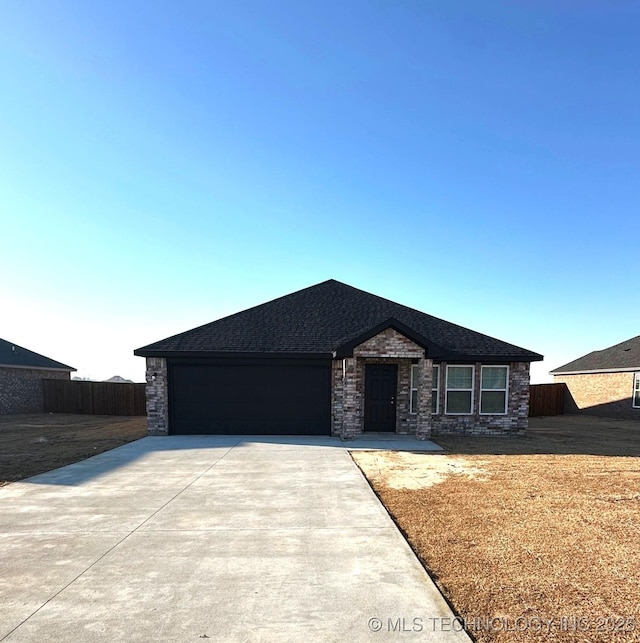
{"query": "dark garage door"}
[(284, 398)]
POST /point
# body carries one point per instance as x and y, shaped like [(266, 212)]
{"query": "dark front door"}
[(380, 397)]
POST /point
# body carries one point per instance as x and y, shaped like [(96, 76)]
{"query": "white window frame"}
[(435, 390), (636, 391), (495, 390), (472, 389), (413, 386)]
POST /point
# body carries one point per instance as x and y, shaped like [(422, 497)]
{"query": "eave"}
[(141, 352), (62, 368), (594, 371)]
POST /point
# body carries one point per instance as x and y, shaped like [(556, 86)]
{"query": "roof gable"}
[(622, 356), (389, 343), (346, 348), (18, 357), (328, 320)]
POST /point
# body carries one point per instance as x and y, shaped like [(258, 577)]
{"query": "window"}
[(493, 390), (435, 390), (415, 378), (459, 397), (636, 391)]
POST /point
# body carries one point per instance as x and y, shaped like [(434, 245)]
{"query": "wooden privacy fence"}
[(546, 399), (93, 398)]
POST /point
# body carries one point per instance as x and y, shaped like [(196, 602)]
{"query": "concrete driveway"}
[(227, 538)]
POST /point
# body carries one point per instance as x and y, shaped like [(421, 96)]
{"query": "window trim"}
[(436, 389), (636, 390), (413, 388), (472, 389), (505, 389)]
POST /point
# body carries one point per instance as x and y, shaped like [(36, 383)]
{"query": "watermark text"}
[(610, 624)]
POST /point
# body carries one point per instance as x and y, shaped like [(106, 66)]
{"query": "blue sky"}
[(164, 164)]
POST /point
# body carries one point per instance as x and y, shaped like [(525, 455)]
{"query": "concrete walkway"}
[(226, 538)]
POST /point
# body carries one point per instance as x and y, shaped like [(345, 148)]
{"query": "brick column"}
[(423, 426), (337, 406), (157, 396), (518, 407), (352, 416)]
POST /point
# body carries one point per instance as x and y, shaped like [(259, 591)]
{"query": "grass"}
[(540, 528)]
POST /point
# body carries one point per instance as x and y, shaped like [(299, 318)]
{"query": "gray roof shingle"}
[(325, 320), (623, 356), (14, 355)]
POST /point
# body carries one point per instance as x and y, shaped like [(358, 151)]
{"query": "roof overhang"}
[(593, 371), (142, 352), (432, 351), (63, 369), (493, 359), (346, 347)]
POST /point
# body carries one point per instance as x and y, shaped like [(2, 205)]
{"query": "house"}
[(605, 382), (21, 375), (118, 379), (335, 360)]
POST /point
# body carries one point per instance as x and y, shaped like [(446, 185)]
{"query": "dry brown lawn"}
[(35, 443), (527, 531)]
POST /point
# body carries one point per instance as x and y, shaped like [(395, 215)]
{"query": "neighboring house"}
[(605, 382), (332, 359), (21, 375)]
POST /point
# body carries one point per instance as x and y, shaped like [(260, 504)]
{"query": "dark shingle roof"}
[(325, 320), (623, 356), (14, 355)]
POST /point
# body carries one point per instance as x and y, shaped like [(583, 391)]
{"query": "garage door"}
[(283, 398)]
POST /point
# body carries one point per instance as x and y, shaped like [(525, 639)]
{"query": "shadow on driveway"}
[(183, 452)]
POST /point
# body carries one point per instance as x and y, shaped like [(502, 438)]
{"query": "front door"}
[(380, 397)]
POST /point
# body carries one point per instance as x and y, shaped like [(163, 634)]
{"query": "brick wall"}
[(391, 347), (337, 397), (348, 376), (157, 396), (603, 394), (389, 343), (352, 403), (347, 394), (21, 388), (515, 422), (425, 392)]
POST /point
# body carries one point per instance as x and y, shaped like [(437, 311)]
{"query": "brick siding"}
[(21, 388), (388, 347), (515, 422), (602, 394), (389, 343), (347, 394), (337, 396), (392, 347), (157, 396)]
